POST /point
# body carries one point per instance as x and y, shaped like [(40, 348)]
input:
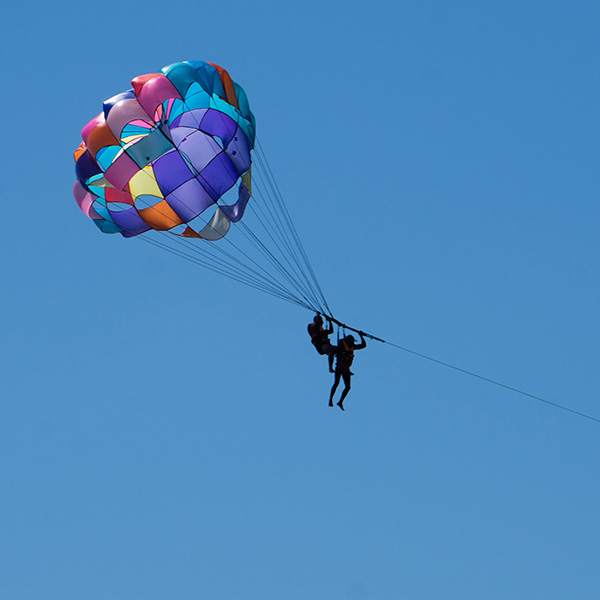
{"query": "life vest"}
[(345, 355), (318, 336)]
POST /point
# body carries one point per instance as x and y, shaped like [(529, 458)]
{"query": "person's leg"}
[(336, 381), (330, 350), (347, 377)]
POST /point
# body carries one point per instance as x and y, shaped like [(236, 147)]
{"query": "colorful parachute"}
[(172, 154)]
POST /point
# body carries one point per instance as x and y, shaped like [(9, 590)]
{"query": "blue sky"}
[(165, 432)]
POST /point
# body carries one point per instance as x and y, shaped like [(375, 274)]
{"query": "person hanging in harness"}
[(320, 338), (345, 356)]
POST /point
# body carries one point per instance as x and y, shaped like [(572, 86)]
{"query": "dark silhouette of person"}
[(320, 338), (345, 356)]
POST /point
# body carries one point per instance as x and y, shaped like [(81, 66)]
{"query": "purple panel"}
[(178, 134), (199, 149), (191, 118), (238, 151), (171, 171), (219, 176), (130, 221), (189, 200), (236, 211), (175, 122), (94, 215), (86, 167), (218, 123)]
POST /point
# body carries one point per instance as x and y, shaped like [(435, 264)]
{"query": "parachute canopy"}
[(167, 155), (175, 158)]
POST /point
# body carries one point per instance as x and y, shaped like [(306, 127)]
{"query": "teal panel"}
[(106, 156)]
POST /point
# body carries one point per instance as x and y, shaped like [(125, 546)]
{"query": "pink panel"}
[(121, 171), (83, 198), (94, 215), (155, 92), (124, 112), (86, 130)]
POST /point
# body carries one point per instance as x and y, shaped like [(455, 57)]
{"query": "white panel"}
[(217, 228)]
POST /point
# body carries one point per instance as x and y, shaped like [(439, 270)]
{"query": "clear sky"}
[(164, 432)]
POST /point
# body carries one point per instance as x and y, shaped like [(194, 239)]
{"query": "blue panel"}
[(106, 156), (149, 148), (181, 75)]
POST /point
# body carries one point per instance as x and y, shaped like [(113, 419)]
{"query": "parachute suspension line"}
[(265, 218), (208, 266), (272, 224), (259, 279), (244, 272), (273, 216), (296, 237), (278, 196), (232, 273), (470, 373), (269, 255), (273, 281), (299, 280)]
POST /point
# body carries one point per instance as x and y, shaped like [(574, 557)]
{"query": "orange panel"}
[(80, 150), (189, 232), (160, 216), (100, 137), (227, 84)]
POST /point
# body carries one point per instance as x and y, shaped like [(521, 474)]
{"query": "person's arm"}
[(363, 343), (329, 330)]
